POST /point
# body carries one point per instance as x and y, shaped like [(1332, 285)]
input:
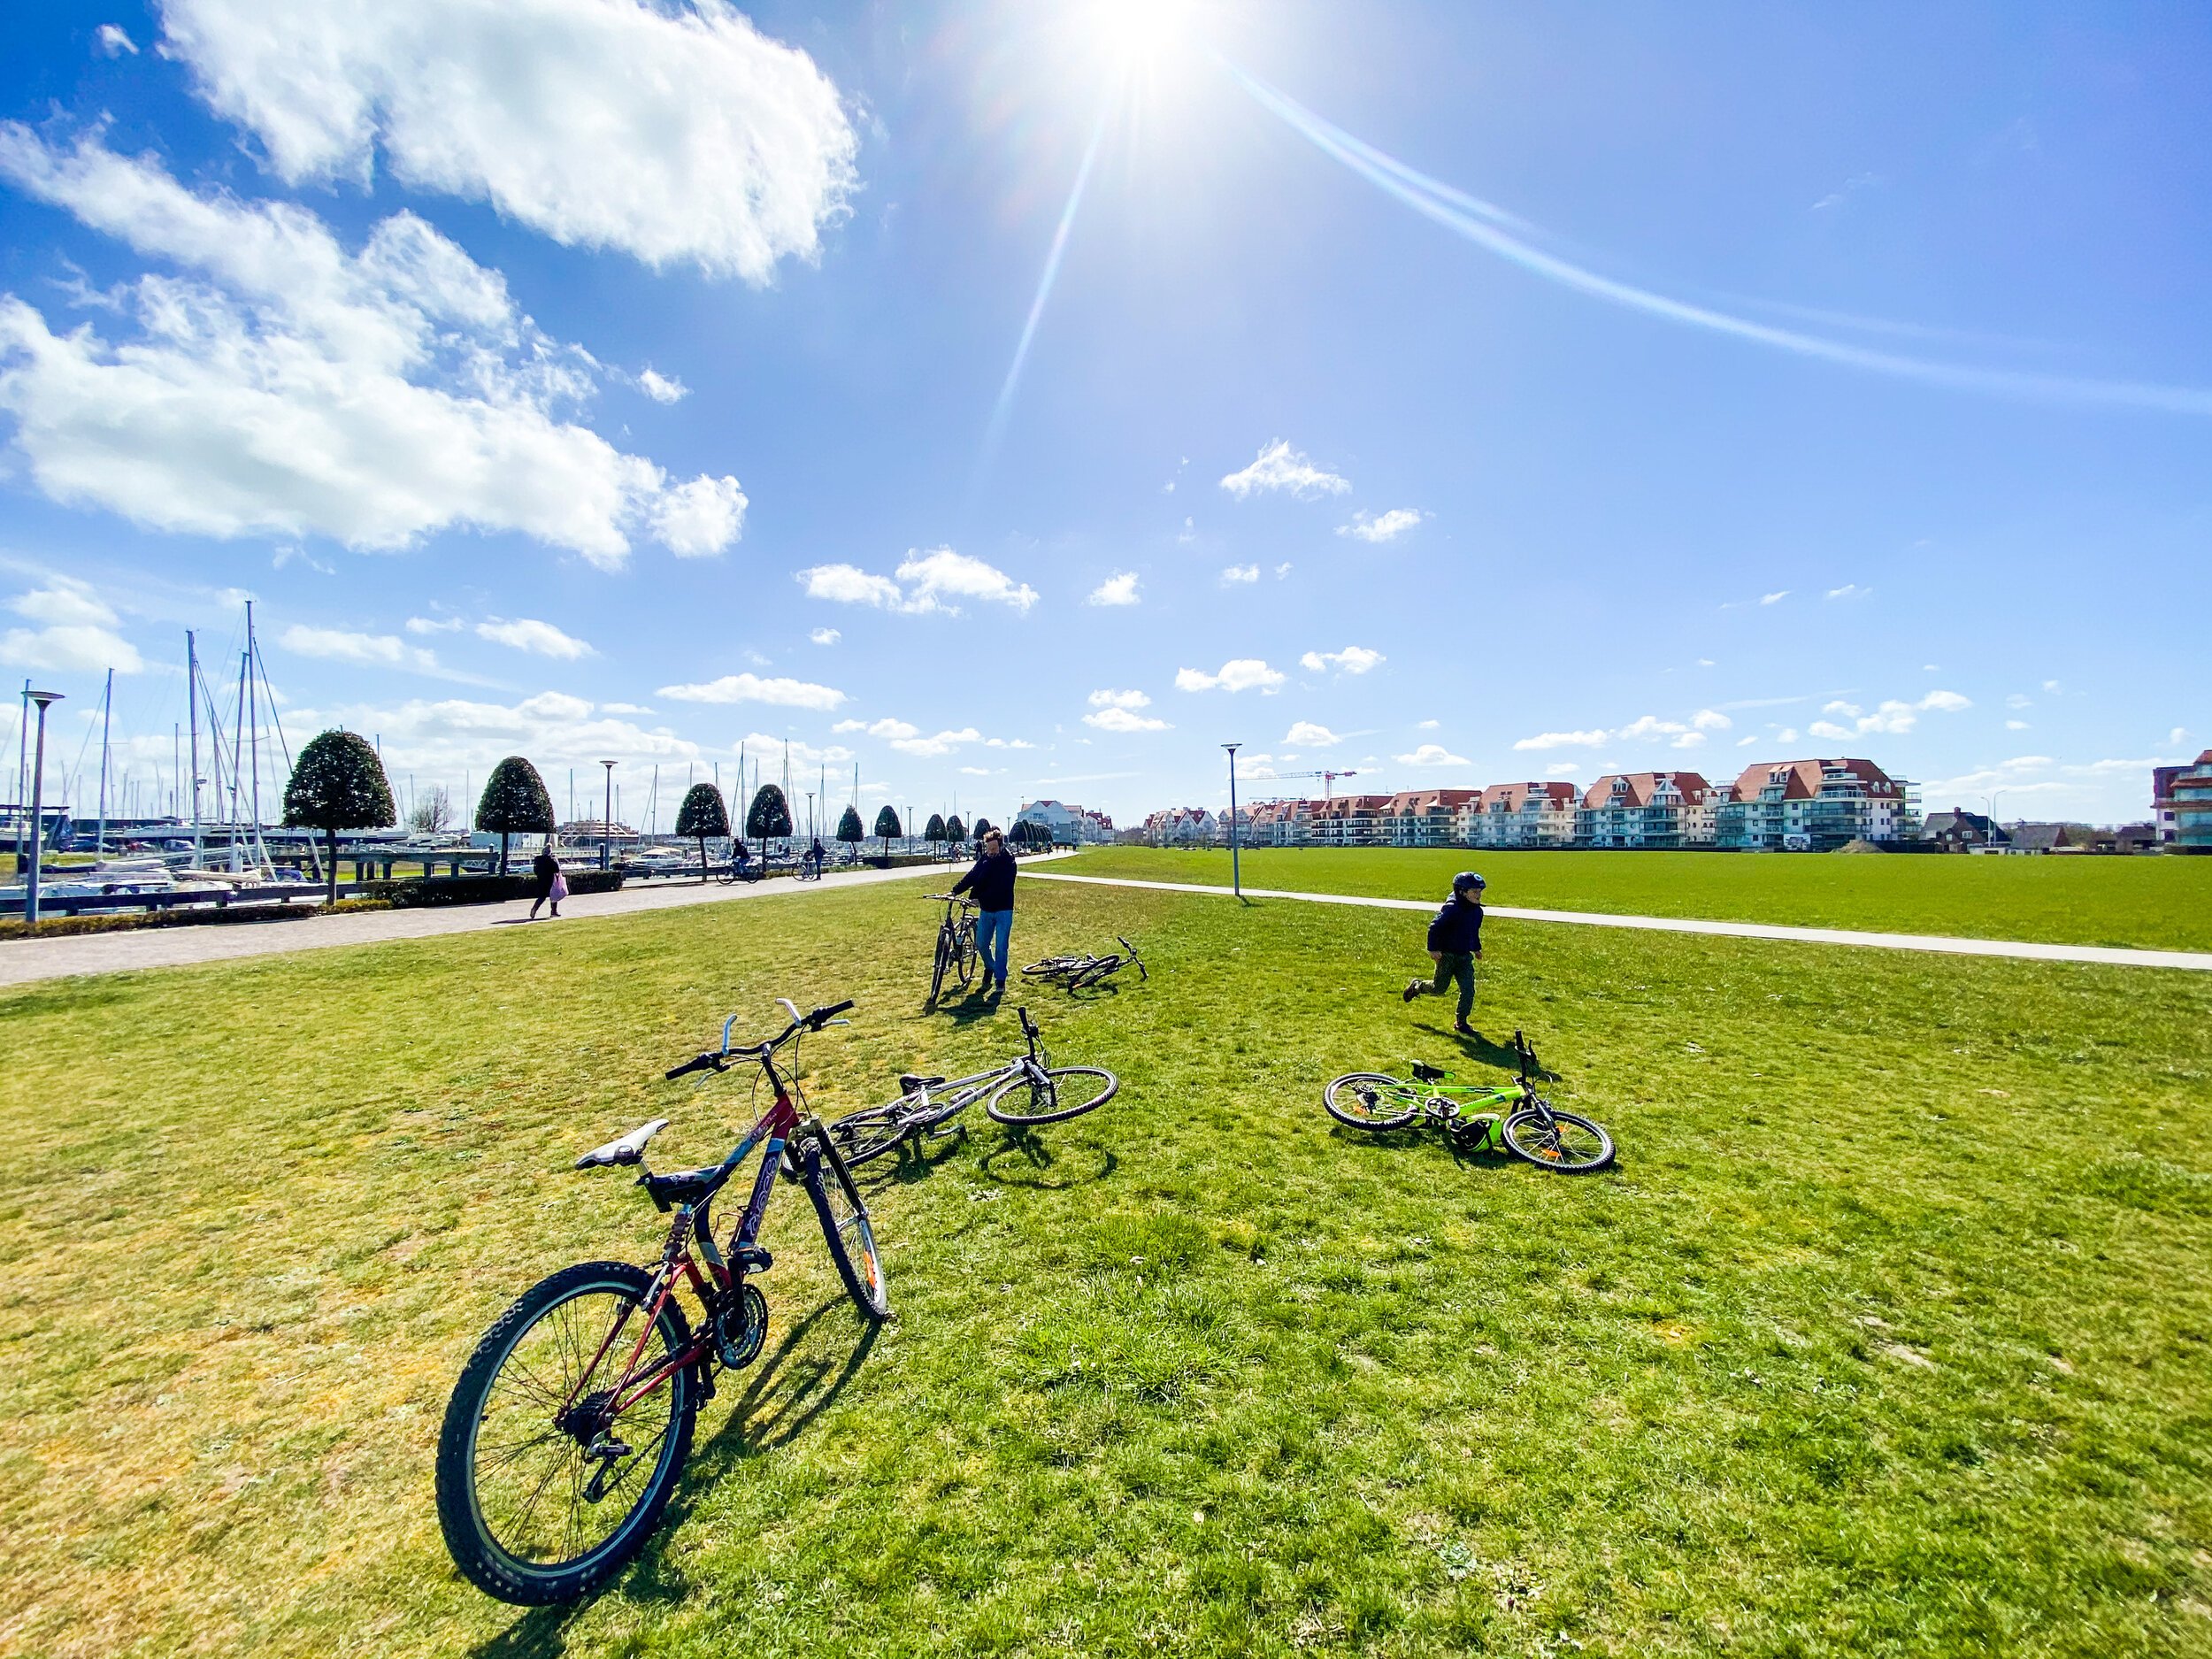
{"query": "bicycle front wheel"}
[(937, 964), (1371, 1100), (845, 1227), (861, 1135), (1050, 1097), (1559, 1140), (545, 1488)]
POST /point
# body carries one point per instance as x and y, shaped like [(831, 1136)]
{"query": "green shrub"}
[(415, 891)]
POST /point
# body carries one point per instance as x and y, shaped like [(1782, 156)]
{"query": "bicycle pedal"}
[(752, 1258), (938, 1130)]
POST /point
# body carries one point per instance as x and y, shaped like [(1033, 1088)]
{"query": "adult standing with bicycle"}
[(991, 881)]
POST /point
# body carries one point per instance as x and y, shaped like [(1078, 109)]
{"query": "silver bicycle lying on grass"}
[(1028, 1089), (1076, 972)]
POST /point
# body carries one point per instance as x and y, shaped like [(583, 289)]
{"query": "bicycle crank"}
[(741, 1331)]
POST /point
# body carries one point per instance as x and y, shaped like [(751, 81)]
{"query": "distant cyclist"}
[(1455, 946)]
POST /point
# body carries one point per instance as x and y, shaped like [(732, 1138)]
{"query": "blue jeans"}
[(992, 929)]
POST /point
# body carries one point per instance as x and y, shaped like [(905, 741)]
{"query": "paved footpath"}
[(24, 960), (2106, 955)]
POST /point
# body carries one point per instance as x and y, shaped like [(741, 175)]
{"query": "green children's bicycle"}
[(1478, 1116)]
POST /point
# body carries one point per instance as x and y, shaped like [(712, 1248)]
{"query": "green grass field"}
[(2165, 902), (1890, 1335)]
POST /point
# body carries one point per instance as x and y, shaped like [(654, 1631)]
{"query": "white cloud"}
[(439, 738), (1828, 728), (113, 41), (2015, 726), (1774, 598), (1116, 718), (2178, 736), (1428, 726), (525, 635), (1564, 740), (973, 772), (884, 727), (369, 650), (1240, 573), (1281, 467), (425, 625), (1704, 662), (1850, 590), (1188, 532), (680, 135), (930, 576), (285, 386), (625, 708), (802, 753), (662, 388), (2016, 701), (1892, 718), (943, 743), (1945, 702), (1353, 659), (790, 694), (1390, 525), (701, 518), (1242, 673), (1306, 734), (1568, 768), (825, 636), (1282, 570), (1710, 720), (1787, 734), (1430, 755), (2051, 686), (77, 635), (1119, 700), (1120, 588)]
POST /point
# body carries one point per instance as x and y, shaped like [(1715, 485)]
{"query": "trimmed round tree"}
[(769, 818), (886, 826), (982, 826), (934, 830), (338, 784), (955, 830), (849, 830), (514, 803), (703, 815)]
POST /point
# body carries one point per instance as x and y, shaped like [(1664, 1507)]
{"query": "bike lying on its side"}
[(1026, 1090), (1478, 1116), (1076, 973), (956, 954), (572, 1419)]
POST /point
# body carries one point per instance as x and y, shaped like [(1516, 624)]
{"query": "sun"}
[(1131, 30)]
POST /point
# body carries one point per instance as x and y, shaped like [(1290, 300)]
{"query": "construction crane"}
[(1328, 780)]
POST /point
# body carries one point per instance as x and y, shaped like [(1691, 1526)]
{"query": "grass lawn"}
[(2163, 902), (1890, 1335)]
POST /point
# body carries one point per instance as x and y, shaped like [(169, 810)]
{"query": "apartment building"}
[(1180, 826), (2190, 796), (1815, 805), (1349, 820), (1520, 815), (1647, 809), (1425, 818), (1067, 825)]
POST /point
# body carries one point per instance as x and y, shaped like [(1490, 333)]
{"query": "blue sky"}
[(1452, 394)]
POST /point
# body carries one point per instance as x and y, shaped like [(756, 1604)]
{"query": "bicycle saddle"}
[(909, 1082), (1429, 1073), (629, 1149)]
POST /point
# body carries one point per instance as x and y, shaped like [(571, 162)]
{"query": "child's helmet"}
[(1467, 879)]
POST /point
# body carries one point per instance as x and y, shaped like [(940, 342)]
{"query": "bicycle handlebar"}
[(720, 1062), (697, 1062)]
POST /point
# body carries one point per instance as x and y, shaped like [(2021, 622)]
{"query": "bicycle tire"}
[(1095, 973), (839, 1207), (1051, 967), (1528, 1136), (493, 1565), (873, 1131), (965, 961), (939, 963), (1052, 1111), (1366, 1110)]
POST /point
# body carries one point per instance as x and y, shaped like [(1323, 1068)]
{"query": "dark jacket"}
[(1457, 926), (543, 868), (992, 880)]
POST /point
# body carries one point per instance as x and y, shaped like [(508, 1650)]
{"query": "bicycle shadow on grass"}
[(1024, 1158)]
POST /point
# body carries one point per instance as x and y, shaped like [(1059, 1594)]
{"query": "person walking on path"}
[(1455, 946), (992, 880), (545, 869)]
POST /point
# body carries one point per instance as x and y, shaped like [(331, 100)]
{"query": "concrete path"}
[(2105, 956), (24, 960)]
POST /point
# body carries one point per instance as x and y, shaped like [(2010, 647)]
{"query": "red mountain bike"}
[(572, 1420)]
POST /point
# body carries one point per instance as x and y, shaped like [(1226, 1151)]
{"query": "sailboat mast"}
[(237, 737), (192, 697), (107, 712)]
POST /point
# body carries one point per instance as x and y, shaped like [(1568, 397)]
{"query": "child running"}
[(1455, 946)]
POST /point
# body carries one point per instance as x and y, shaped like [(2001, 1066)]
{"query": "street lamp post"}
[(606, 821), (38, 808), (1236, 876)]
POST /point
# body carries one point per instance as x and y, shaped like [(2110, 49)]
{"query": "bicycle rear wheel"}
[(845, 1228), (1569, 1144), (535, 1504), (1372, 1100), (1064, 1092), (1052, 967), (870, 1133)]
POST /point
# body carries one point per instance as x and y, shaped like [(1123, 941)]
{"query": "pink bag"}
[(559, 889)]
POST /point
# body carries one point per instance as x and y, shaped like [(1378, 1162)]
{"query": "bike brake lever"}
[(789, 1006)]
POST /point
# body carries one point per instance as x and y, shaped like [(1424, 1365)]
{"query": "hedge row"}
[(414, 891), (197, 916)]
